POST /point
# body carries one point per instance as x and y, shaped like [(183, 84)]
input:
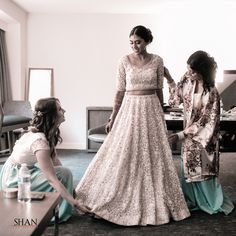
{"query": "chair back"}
[(18, 107)]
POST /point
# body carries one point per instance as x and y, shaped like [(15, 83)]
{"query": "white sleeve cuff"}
[(180, 135)]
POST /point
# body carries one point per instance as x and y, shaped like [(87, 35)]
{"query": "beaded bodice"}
[(149, 76)]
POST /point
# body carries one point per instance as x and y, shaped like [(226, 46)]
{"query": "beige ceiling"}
[(89, 6)]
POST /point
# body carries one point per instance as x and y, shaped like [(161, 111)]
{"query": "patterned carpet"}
[(199, 223)]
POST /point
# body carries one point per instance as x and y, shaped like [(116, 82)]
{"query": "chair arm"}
[(98, 130), (97, 134)]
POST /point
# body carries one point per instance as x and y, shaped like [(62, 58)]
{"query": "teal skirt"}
[(206, 195), (9, 177)]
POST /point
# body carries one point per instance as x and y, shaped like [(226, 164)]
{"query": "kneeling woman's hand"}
[(81, 210), (173, 138)]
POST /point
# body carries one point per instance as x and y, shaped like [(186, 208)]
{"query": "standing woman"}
[(37, 146), (132, 179), (200, 158)]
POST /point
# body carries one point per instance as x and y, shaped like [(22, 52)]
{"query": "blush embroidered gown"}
[(132, 179)]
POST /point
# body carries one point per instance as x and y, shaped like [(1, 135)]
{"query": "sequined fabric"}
[(130, 77), (132, 179)]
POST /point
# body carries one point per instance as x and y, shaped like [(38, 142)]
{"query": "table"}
[(28, 218), (176, 123), (98, 116), (227, 124)]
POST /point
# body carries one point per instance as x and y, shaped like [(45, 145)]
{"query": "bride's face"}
[(138, 45)]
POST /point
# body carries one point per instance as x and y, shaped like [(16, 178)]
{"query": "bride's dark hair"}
[(142, 32)]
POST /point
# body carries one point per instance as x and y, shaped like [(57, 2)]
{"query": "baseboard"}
[(75, 150), (65, 145)]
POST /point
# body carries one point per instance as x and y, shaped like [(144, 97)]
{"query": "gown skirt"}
[(9, 179), (132, 179)]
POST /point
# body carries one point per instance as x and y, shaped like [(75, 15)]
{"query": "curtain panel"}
[(5, 83)]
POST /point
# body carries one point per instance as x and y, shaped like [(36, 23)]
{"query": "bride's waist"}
[(141, 92)]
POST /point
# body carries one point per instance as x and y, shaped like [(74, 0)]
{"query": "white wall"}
[(187, 26), (84, 49), (3, 24)]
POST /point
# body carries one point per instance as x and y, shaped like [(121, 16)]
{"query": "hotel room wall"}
[(84, 50)]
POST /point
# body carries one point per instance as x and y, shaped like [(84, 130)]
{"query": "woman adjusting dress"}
[(200, 157)]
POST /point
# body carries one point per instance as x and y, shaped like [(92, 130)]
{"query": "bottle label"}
[(24, 179)]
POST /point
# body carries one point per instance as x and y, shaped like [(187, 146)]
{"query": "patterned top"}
[(201, 128), (149, 76), (26, 147)]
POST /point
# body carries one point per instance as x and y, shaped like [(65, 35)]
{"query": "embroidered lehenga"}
[(200, 156), (132, 179)]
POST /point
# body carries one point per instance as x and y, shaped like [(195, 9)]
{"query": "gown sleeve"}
[(160, 73), (121, 75)]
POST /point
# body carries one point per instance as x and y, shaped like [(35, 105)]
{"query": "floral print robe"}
[(201, 128)]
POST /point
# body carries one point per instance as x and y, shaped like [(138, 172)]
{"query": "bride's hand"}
[(167, 75), (109, 125)]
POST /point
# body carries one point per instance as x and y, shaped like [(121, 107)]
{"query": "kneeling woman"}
[(37, 146)]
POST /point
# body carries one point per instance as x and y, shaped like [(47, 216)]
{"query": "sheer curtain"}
[(5, 86)]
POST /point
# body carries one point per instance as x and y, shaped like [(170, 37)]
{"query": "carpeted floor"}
[(199, 223)]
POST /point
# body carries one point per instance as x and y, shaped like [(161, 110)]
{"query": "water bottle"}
[(24, 184)]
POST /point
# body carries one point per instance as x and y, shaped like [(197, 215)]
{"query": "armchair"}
[(14, 115), (97, 134)]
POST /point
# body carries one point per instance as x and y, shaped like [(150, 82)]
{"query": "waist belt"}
[(141, 92)]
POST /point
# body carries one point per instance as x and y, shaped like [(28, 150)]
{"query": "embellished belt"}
[(141, 92)]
